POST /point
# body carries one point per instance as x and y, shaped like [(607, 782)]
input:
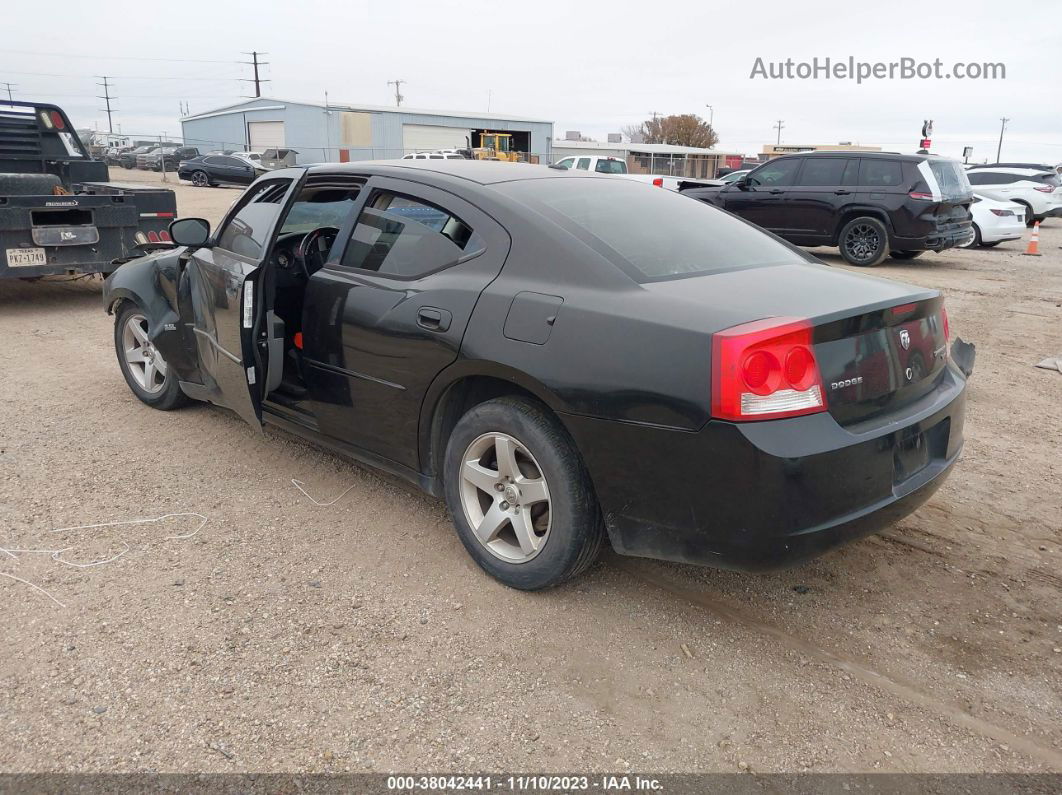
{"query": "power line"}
[(98, 57), (107, 97), (121, 77), (256, 63)]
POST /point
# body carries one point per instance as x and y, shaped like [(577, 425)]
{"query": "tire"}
[(200, 179), (164, 393), (864, 242), (976, 242), (127, 165), (906, 254), (563, 528)]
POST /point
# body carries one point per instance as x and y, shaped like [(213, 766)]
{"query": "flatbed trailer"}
[(58, 212)]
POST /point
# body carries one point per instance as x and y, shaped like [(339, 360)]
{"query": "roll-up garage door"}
[(265, 135), (427, 137)]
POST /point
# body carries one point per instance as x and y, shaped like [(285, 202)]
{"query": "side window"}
[(979, 178), (611, 167), (880, 173), (776, 174), (407, 238), (567, 162), (584, 163), (823, 171), (247, 232)]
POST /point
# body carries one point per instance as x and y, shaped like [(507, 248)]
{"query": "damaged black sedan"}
[(564, 357)]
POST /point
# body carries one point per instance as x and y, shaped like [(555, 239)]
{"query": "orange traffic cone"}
[(1034, 242)]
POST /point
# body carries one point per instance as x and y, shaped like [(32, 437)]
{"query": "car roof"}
[(912, 158), (1024, 172), (482, 172)]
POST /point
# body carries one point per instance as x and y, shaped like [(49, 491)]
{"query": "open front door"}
[(223, 282)]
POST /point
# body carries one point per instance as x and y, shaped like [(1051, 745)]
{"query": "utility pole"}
[(256, 63), (9, 87), (162, 157), (780, 126), (1002, 127), (106, 86), (398, 96)]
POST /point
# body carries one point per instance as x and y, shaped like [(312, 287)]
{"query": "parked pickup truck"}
[(58, 212), (606, 164)]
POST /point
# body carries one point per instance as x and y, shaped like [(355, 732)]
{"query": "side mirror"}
[(192, 232), (743, 183)]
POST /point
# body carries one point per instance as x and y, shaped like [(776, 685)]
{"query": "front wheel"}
[(200, 179), (864, 242), (520, 496), (145, 371)]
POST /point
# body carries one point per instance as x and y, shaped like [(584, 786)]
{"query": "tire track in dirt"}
[(896, 685)]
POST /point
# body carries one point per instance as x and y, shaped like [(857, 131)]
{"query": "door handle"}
[(433, 319), (842, 192)]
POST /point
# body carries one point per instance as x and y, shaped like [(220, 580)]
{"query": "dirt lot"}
[(359, 636)]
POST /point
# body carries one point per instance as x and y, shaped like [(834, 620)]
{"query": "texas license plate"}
[(25, 257)]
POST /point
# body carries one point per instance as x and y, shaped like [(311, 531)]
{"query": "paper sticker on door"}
[(26, 257)]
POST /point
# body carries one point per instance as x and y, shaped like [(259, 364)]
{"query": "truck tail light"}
[(765, 370)]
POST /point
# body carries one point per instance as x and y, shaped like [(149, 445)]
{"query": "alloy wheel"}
[(145, 364), (862, 241), (505, 497), (200, 179)]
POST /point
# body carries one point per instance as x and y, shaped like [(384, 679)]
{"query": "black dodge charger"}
[(563, 356)]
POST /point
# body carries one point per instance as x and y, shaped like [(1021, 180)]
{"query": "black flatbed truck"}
[(59, 214)]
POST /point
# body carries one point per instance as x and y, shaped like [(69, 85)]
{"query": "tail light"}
[(1001, 213), (1045, 188), (165, 236), (921, 195), (57, 120), (659, 182), (153, 236), (765, 370)]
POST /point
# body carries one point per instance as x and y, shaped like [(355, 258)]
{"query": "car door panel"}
[(222, 298), (761, 199), (374, 342)]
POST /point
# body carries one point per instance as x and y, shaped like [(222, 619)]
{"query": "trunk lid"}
[(877, 361)]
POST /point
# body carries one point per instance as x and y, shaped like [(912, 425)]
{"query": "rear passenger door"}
[(388, 311), (813, 205)]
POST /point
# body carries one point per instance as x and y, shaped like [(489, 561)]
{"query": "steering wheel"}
[(310, 252)]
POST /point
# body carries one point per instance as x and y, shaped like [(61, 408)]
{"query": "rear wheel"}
[(145, 371), (864, 242), (905, 254), (976, 242), (520, 497), (200, 179)]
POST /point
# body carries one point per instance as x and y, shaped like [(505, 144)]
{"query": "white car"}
[(996, 221), (434, 156), (606, 164), (1039, 192)]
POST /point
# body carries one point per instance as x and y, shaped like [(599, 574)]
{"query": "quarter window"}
[(880, 173), (407, 238)]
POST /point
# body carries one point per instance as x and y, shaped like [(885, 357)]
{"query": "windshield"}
[(951, 177), (649, 233), (321, 205), (611, 167)]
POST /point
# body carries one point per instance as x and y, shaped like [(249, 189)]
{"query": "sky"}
[(590, 66)]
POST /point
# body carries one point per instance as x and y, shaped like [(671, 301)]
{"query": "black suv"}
[(869, 204)]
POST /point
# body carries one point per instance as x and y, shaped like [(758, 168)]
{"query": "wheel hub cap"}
[(145, 364), (505, 497)]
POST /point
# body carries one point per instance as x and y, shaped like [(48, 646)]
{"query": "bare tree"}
[(635, 133), (684, 129)]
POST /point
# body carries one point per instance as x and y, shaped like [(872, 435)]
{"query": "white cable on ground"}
[(299, 485), (57, 554)]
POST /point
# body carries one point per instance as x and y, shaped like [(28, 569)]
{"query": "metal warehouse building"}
[(343, 133)]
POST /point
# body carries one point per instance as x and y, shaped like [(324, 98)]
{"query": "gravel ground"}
[(285, 636)]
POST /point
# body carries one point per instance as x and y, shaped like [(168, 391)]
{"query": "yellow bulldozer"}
[(496, 146)]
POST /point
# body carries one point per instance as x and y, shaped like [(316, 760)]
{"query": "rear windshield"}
[(1051, 179), (951, 177), (651, 233), (611, 167)]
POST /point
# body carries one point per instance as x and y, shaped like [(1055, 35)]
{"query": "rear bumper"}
[(762, 495), (936, 240), (1001, 232), (1054, 212)]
